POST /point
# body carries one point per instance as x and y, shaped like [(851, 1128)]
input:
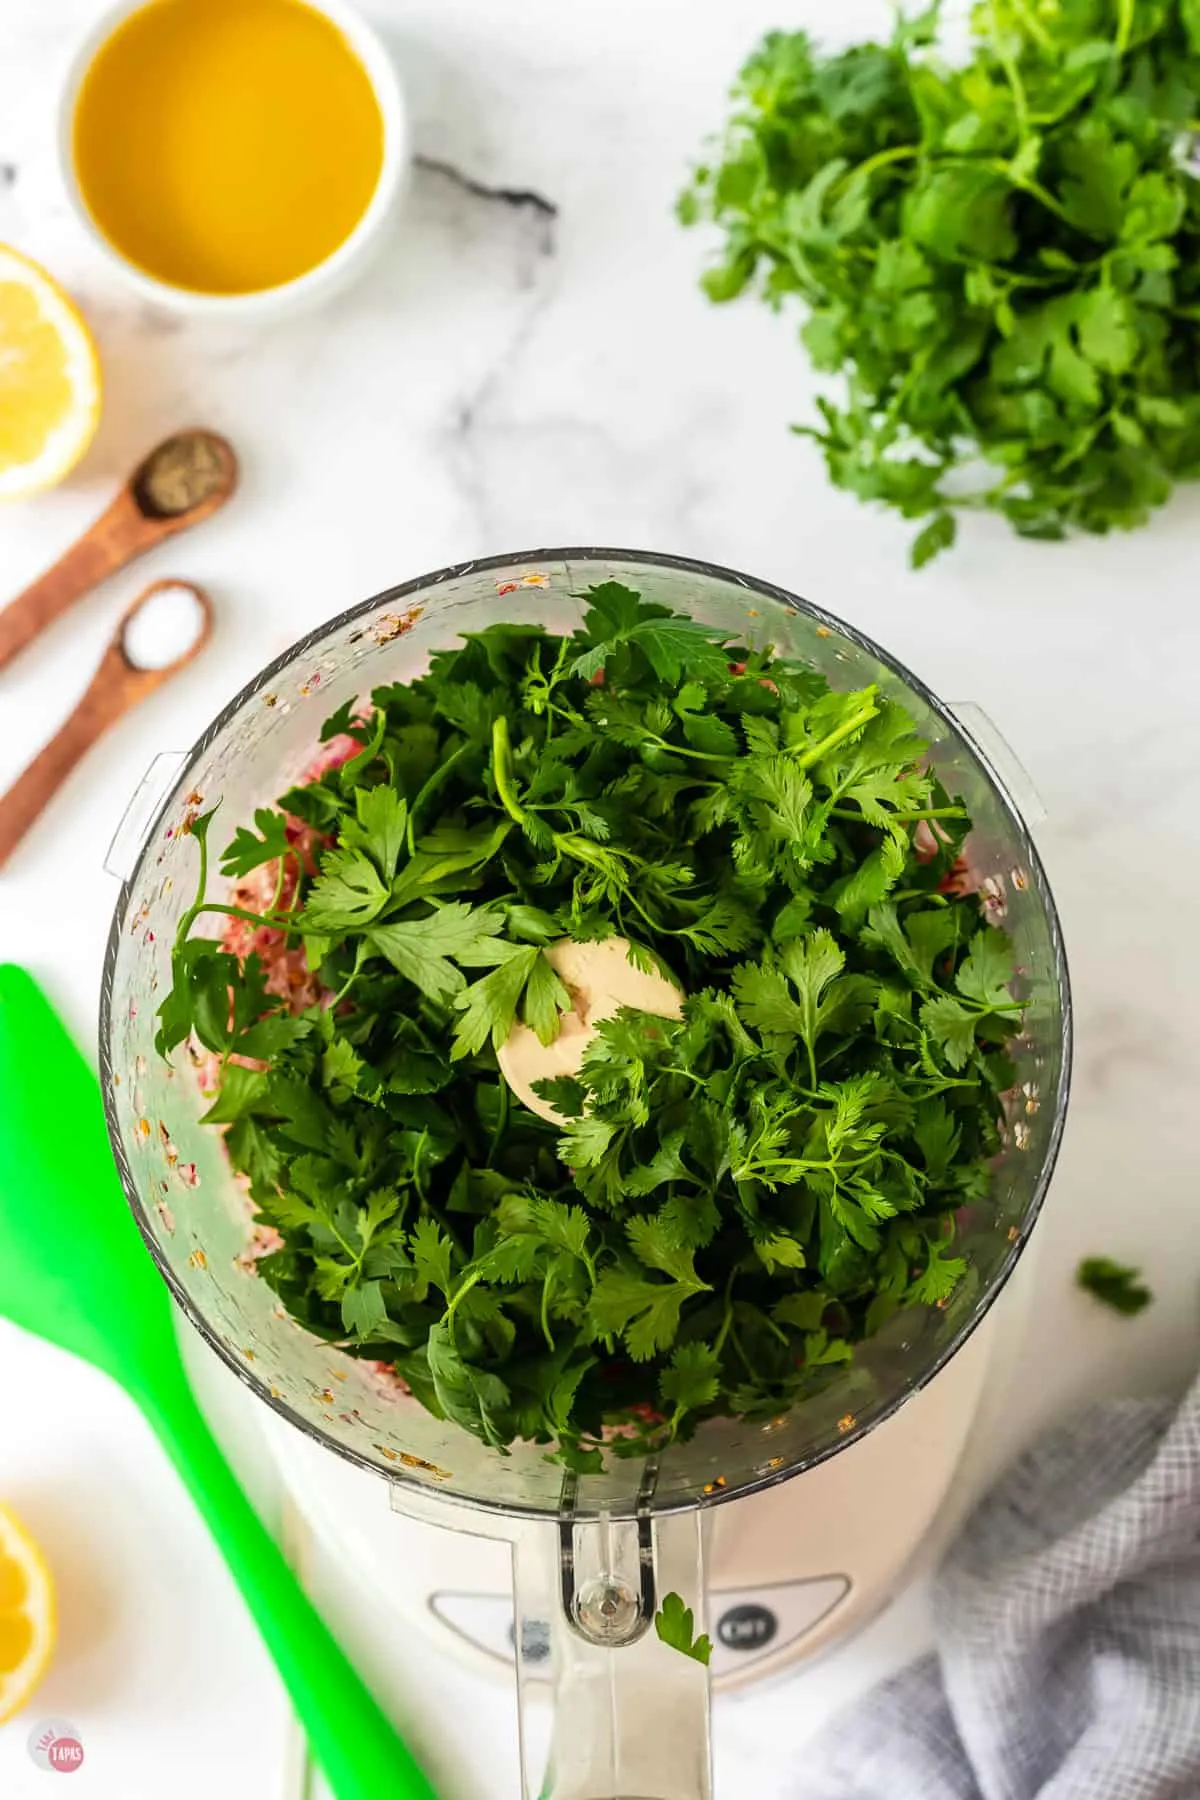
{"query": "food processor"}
[(831, 1497)]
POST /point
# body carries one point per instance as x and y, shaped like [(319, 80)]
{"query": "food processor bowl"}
[(613, 1543)]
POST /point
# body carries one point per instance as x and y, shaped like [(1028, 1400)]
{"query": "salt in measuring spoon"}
[(165, 628)]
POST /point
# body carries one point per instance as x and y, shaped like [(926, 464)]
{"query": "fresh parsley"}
[(1000, 258), (732, 1200), (1114, 1284), (676, 1625)]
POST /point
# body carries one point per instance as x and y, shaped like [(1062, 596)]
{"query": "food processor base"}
[(793, 1568)]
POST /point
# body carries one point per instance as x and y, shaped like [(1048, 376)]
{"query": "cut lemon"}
[(49, 379), (27, 1623)]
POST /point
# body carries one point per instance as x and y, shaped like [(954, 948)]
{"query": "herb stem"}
[(1033, 25), (353, 976), (1027, 185), (727, 1321), (432, 784), (654, 737), (279, 881), (464, 1287), (500, 1126), (547, 1284), (898, 153), (285, 921), (502, 771), (862, 716), (1012, 73), (903, 818), (741, 1354), (197, 907)]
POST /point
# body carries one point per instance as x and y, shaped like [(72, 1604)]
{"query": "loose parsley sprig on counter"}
[(736, 1197), (1116, 1285)]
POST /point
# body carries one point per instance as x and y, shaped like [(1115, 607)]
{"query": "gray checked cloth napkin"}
[(1067, 1619)]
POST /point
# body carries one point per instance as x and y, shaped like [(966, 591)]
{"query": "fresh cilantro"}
[(364, 1310), (675, 1624), (1114, 1284), (999, 253), (733, 1200)]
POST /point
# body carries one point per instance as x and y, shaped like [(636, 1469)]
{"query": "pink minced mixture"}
[(286, 970)]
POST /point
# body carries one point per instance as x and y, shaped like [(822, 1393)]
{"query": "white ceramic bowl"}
[(337, 270)]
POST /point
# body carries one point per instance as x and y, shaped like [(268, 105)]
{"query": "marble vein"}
[(506, 196)]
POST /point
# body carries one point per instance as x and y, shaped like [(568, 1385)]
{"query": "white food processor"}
[(780, 1535)]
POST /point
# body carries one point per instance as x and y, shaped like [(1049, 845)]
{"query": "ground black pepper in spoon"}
[(184, 479), (181, 474)]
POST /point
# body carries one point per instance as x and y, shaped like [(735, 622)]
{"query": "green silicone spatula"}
[(74, 1270)]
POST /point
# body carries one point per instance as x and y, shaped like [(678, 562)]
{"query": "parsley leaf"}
[(767, 1002), (987, 971), (347, 895), (466, 1394), (1114, 1284), (489, 1005), (950, 1027), (645, 1313), (544, 999), (379, 827), (676, 1625), (693, 1380), (427, 950), (671, 645), (249, 849)]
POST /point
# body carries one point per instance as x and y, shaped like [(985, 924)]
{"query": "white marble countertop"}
[(531, 363)]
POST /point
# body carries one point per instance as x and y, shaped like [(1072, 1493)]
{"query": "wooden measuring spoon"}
[(185, 479), (117, 686)]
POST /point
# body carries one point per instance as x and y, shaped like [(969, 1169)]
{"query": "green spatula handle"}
[(352, 1739), (73, 1268)]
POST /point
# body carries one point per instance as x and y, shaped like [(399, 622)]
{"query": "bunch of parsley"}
[(736, 1197), (1002, 258)]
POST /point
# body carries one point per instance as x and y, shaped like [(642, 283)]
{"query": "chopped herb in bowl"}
[(718, 1199)]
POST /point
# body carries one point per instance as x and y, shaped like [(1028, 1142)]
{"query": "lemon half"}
[(27, 1615), (49, 379)]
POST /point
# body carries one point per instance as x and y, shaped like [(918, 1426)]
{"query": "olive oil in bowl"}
[(227, 147)]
